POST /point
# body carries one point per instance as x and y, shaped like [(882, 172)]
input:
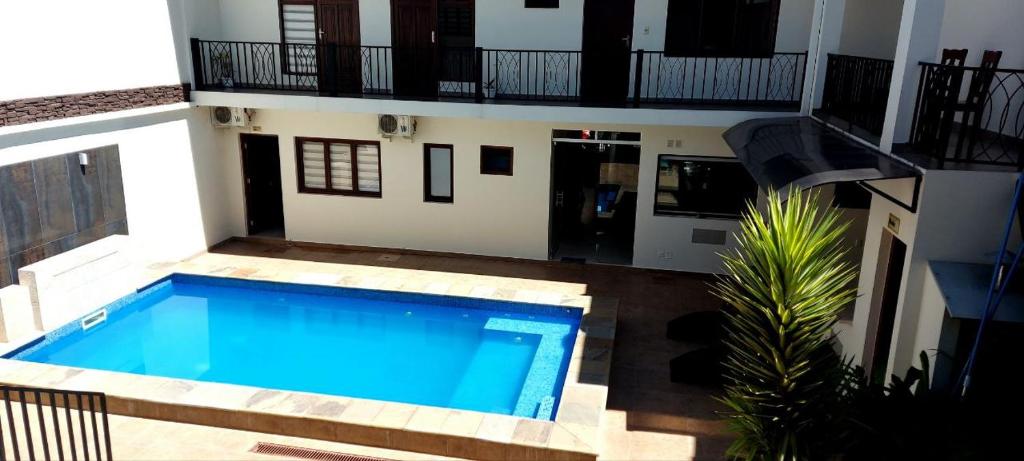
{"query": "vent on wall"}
[(709, 236)]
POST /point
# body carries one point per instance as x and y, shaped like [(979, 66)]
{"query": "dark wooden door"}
[(338, 37), (414, 48), (607, 52), (261, 165), (892, 255)]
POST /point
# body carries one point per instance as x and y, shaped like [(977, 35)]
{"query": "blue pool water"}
[(491, 356)]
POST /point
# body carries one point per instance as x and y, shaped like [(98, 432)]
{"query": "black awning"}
[(802, 152)]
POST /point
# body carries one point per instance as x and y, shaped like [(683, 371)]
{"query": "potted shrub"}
[(490, 89), (223, 69), (785, 286)]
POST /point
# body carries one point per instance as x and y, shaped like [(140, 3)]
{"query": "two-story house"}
[(629, 132)]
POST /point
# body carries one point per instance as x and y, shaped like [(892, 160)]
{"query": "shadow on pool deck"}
[(648, 416)]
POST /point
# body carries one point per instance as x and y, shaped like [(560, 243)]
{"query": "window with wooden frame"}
[(721, 28), (298, 36), (496, 160), (338, 166), (438, 173)]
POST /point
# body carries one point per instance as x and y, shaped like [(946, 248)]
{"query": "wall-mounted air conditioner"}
[(226, 117), (402, 126)]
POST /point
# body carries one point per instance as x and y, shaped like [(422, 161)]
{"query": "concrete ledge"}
[(68, 285), (16, 319)]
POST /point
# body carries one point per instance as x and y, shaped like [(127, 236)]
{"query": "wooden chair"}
[(941, 93), (973, 107)]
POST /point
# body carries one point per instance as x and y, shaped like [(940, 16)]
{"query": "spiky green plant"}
[(786, 283)]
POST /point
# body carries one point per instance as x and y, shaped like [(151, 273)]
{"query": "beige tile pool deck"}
[(639, 422)]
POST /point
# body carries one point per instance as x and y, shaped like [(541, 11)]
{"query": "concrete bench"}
[(72, 284)]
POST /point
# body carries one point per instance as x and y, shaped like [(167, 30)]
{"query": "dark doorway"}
[(593, 200), (607, 52), (414, 48), (892, 254), (341, 56), (261, 168)]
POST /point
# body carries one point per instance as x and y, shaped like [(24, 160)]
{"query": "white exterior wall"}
[(506, 24), (491, 215), (87, 46), (980, 25), (871, 28), (960, 218), (171, 167)]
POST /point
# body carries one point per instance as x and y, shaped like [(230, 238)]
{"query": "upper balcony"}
[(638, 78)]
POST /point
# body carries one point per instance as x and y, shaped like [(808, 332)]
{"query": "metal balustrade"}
[(970, 115), (53, 424), (653, 79)]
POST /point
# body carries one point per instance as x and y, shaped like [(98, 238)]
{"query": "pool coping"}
[(574, 434)]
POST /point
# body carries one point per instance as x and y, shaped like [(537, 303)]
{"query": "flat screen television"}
[(706, 187)]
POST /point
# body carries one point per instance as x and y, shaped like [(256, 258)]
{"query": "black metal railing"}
[(970, 115), (856, 93), (53, 424), (763, 81), (475, 74)]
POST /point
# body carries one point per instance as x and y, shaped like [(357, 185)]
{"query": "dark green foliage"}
[(786, 285)]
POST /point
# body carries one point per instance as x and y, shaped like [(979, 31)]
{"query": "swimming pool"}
[(473, 354)]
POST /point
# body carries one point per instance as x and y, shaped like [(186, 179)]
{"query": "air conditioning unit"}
[(402, 126), (225, 117)]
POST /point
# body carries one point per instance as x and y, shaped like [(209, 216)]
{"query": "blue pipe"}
[(992, 299)]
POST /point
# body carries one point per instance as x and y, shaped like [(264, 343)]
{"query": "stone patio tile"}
[(562, 438), (427, 419), (217, 395), (394, 415), (329, 407), (533, 432), (497, 428), (264, 399), (463, 423), (362, 411)]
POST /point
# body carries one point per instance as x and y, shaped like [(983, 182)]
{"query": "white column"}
[(920, 30), (826, 30)]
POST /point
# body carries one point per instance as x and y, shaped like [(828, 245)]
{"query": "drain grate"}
[(274, 449)]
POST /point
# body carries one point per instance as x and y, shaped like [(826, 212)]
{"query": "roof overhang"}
[(803, 153)]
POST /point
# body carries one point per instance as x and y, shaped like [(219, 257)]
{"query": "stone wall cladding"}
[(31, 110)]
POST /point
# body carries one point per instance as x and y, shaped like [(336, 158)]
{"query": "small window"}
[(496, 160), (703, 187), (542, 3), (438, 173), (298, 36), (338, 166), (742, 28)]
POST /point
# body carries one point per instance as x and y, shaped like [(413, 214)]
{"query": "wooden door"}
[(414, 48), (261, 168), (607, 52), (885, 295), (338, 39)]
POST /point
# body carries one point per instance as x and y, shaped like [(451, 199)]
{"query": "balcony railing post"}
[(198, 77), (638, 77), (478, 77)]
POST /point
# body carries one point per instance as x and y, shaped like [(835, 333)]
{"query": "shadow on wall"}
[(55, 204)]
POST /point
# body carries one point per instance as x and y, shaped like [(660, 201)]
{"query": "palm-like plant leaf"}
[(786, 285)]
